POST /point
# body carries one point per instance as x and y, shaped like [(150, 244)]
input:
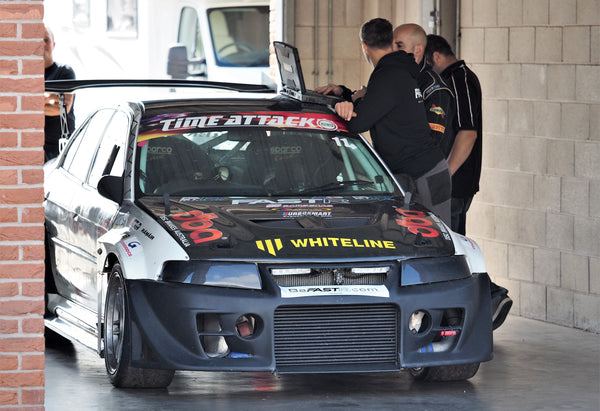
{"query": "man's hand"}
[(345, 110), (360, 93), (332, 89)]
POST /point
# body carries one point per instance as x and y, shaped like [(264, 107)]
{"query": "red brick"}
[(22, 379), (33, 288), (8, 103), (9, 177), (32, 139), (20, 307), (9, 67), (22, 85), (32, 397), (22, 121), (9, 139), (22, 195), (22, 48), (33, 176), (32, 362), (33, 215), (21, 11), (10, 233), (23, 270), (9, 215), (8, 253), (34, 325), (9, 362), (32, 103), (32, 30), (22, 345), (33, 66), (9, 326), (21, 158), (9, 289), (9, 397), (8, 30)]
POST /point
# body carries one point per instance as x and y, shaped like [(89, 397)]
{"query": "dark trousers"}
[(459, 209)]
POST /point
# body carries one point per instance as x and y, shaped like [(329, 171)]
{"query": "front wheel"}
[(445, 373), (117, 341)]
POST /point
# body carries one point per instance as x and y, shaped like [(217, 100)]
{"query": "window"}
[(189, 33), (240, 35), (111, 153), (81, 152)]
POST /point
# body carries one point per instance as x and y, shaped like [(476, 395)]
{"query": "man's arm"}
[(463, 144), (52, 106)]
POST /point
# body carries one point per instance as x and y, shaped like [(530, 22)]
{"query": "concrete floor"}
[(536, 366)]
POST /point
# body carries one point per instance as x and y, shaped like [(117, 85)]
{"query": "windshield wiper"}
[(334, 185)]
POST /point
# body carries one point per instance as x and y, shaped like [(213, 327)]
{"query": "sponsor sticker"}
[(362, 290), (272, 246)]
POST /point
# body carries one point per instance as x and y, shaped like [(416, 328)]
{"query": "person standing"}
[(465, 154), (391, 108), (438, 98), (55, 71)]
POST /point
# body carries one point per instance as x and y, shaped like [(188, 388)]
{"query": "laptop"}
[(292, 80)]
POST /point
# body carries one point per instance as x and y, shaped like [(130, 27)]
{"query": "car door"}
[(72, 258)]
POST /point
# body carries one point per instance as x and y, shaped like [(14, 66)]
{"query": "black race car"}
[(251, 232)]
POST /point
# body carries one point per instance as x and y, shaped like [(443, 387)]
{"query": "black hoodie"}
[(392, 110)]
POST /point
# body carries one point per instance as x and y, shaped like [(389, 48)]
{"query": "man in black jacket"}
[(391, 108), (437, 96)]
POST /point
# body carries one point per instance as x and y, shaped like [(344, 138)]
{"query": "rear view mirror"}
[(111, 187)]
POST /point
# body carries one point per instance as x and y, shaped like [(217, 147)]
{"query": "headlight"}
[(215, 274), (431, 270)]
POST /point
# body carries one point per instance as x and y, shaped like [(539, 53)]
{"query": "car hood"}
[(315, 228)]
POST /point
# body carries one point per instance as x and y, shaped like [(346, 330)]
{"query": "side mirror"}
[(178, 65), (111, 187)]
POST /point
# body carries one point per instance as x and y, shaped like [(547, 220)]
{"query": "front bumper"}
[(308, 334)]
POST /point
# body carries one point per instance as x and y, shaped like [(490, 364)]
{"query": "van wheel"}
[(445, 373), (117, 341)]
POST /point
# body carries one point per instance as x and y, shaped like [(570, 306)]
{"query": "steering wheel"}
[(245, 46)]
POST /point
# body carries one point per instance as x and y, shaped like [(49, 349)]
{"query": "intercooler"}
[(318, 337)]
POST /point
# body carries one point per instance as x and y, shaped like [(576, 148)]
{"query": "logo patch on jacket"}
[(437, 110), (418, 95)]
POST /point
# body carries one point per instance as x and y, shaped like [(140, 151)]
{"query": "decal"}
[(416, 222), (148, 234), (135, 224), (198, 199), (437, 110), (126, 248), (441, 226), (305, 213), (286, 150), (176, 230), (160, 150), (134, 244), (274, 245), (270, 246), (121, 221), (344, 142), (370, 291), (176, 123), (199, 224), (281, 201), (301, 210)]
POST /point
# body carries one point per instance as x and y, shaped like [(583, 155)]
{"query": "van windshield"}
[(240, 35)]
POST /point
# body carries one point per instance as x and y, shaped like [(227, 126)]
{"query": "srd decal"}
[(416, 222), (199, 224)]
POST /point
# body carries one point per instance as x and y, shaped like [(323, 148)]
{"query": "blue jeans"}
[(459, 208)]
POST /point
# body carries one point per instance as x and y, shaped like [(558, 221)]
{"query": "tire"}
[(445, 373), (117, 341)]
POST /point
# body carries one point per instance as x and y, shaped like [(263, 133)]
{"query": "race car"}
[(246, 230)]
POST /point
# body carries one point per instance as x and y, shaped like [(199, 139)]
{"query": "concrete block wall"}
[(537, 217)]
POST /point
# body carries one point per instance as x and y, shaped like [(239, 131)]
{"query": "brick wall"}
[(21, 212), (537, 216)]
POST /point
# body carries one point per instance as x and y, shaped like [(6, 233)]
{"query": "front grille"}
[(336, 335), (330, 276)]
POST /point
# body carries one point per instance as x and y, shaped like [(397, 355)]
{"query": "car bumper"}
[(178, 326)]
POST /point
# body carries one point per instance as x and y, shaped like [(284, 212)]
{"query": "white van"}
[(216, 40)]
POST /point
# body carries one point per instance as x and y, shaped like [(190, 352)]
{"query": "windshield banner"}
[(178, 123)]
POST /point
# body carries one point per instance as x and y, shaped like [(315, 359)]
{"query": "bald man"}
[(437, 96)]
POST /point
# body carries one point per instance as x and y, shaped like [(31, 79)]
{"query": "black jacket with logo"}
[(392, 110)]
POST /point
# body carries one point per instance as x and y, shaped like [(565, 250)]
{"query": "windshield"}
[(258, 162), (240, 35)]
